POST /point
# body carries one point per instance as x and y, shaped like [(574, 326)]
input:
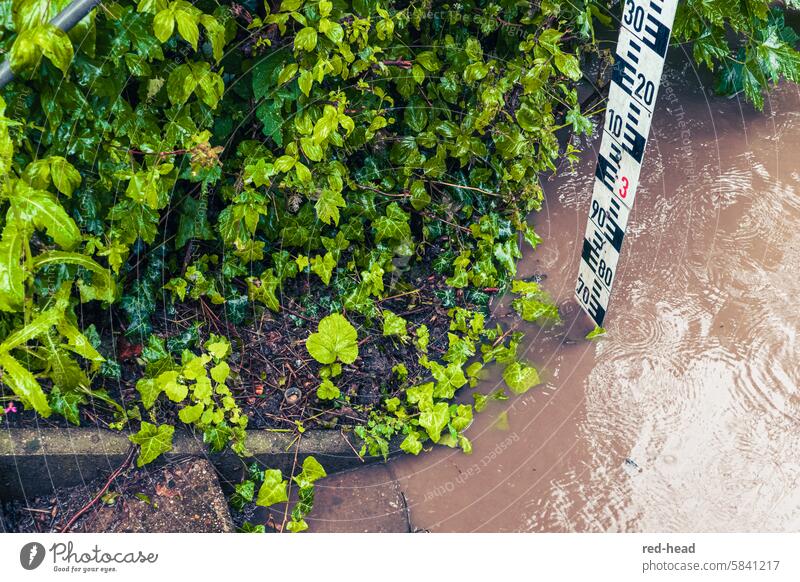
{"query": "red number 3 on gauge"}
[(624, 190)]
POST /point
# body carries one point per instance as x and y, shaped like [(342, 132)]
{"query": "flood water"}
[(686, 417)]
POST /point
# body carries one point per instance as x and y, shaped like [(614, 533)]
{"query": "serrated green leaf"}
[(328, 205), (24, 384), (12, 275), (102, 286), (43, 210), (153, 441)]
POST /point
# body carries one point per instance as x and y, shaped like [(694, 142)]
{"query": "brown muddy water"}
[(686, 417)]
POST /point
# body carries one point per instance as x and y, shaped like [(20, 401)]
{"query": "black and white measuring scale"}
[(644, 34)]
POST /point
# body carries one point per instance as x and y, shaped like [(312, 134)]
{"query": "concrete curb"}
[(35, 462)]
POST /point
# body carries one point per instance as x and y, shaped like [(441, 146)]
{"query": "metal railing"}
[(65, 20)]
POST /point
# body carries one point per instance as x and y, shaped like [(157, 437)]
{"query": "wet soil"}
[(269, 355)]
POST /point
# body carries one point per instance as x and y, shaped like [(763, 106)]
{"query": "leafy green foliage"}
[(153, 441), (198, 384), (328, 390), (394, 325), (747, 48), (274, 489), (335, 339)]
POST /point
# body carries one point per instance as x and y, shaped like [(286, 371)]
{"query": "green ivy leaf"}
[(149, 390), (66, 404), (420, 198), (534, 304), (190, 414), (328, 205), (296, 526), (596, 332), (273, 490), (323, 266), (153, 440), (448, 379), (422, 339), (421, 395), (312, 471), (393, 226), (435, 420), (411, 444), (520, 377), (264, 289)]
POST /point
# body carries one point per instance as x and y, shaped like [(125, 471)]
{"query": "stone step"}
[(178, 497)]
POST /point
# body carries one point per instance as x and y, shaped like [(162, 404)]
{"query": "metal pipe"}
[(64, 20)]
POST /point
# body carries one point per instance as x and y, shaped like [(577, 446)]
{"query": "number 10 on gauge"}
[(644, 34)]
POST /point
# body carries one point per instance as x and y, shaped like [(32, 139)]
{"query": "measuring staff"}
[(639, 60)]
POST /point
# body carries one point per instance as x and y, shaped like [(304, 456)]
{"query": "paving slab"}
[(177, 497), (182, 498)]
